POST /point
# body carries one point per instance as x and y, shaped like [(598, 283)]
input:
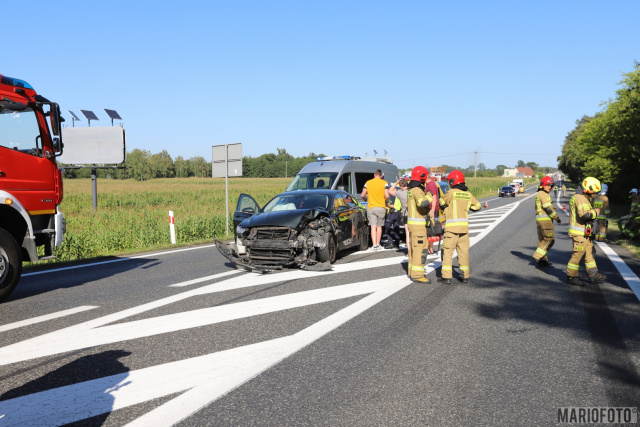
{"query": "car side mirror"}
[(248, 211)]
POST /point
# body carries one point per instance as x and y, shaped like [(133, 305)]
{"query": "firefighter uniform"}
[(580, 230), (417, 222), (458, 202), (602, 201), (545, 215)]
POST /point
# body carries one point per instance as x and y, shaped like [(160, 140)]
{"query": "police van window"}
[(344, 182), (361, 180), (310, 181), (19, 131)]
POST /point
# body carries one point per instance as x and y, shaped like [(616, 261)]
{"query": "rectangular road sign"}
[(229, 154)]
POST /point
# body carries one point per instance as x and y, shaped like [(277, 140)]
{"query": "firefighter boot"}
[(595, 277), (443, 280), (544, 262), (574, 281), (420, 280), (464, 280)]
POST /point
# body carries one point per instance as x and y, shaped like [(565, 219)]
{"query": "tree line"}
[(141, 165), (607, 144)]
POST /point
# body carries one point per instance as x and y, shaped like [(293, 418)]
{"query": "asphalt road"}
[(180, 337)]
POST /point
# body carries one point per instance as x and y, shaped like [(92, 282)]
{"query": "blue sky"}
[(430, 82)]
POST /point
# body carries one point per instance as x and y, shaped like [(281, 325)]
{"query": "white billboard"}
[(97, 145)]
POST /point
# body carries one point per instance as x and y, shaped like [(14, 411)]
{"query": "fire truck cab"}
[(30, 181)]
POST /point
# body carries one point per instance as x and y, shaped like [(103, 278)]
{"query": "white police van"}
[(345, 173)]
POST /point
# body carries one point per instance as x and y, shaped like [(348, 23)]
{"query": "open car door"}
[(245, 208)]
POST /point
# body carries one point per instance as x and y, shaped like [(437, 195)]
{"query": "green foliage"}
[(607, 145)]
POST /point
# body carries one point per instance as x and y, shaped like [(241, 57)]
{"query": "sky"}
[(426, 82)]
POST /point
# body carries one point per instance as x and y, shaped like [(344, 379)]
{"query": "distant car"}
[(295, 229), (507, 191)]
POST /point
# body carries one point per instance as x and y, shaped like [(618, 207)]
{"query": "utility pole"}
[(475, 164)]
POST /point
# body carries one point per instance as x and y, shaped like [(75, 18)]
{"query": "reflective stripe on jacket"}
[(456, 213), (416, 214), (544, 203), (579, 208)]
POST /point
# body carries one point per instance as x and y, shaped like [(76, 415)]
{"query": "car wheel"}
[(364, 238), (10, 264), (328, 253)]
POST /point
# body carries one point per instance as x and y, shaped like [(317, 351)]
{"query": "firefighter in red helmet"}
[(545, 215), (458, 201), (418, 203)]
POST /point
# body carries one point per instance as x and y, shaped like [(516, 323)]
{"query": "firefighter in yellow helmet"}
[(417, 222), (545, 215), (601, 201), (582, 231), (457, 203)]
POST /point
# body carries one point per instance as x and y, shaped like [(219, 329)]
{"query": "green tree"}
[(162, 165), (139, 164)]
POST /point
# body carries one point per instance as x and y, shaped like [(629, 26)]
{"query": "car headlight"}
[(240, 230)]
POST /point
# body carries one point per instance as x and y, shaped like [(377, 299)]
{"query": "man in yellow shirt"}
[(376, 194)]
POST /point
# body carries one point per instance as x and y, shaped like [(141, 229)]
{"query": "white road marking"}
[(79, 336), (206, 377), (627, 274), (46, 317)]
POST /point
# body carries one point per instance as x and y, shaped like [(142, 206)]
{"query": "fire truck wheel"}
[(10, 264)]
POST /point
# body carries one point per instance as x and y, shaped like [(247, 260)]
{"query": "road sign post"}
[(226, 161)]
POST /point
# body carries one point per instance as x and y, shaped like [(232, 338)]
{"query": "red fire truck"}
[(30, 181)]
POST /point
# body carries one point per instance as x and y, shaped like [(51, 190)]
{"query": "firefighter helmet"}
[(419, 173), (633, 192), (604, 190), (547, 180), (455, 177), (591, 185)]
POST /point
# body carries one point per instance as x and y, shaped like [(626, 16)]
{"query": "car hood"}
[(294, 219)]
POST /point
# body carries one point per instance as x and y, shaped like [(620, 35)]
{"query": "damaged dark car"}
[(296, 229)]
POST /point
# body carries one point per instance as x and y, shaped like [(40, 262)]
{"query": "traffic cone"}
[(564, 207), (486, 205)]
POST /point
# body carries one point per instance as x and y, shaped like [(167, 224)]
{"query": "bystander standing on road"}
[(376, 194), (564, 190)]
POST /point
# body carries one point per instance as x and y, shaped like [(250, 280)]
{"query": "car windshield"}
[(289, 202), (311, 181), (507, 188)]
